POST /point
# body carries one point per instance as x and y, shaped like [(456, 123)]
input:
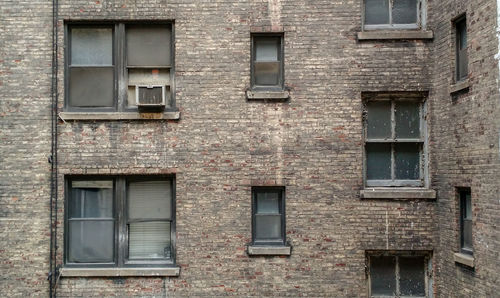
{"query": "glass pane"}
[(383, 275), (149, 240), (267, 73), (91, 46), (148, 46), (404, 12), (149, 199), (378, 161), (376, 12), (378, 120), (407, 116), (91, 202), (267, 48), (412, 276), (267, 227), (468, 206), (268, 202), (467, 233), (407, 164), (91, 241), (91, 87), (461, 34)]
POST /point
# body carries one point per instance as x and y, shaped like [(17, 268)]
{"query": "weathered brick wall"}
[(223, 144), (465, 152)]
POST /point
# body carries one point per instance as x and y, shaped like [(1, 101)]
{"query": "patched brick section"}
[(223, 144)]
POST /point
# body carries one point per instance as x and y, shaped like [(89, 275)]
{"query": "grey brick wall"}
[(224, 144)]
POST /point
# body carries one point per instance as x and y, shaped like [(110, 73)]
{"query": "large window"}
[(399, 275), (120, 221), (394, 141), (267, 62), (268, 216), (461, 68), (465, 221), (119, 67), (393, 14)]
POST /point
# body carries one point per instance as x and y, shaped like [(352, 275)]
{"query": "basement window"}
[(122, 67), (394, 14), (120, 222), (399, 275), (394, 127)]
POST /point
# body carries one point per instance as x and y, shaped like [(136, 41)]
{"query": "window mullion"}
[(393, 137), (391, 4), (119, 53), (120, 240), (397, 277)]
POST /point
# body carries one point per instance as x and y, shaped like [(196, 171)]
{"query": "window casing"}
[(106, 62), (399, 275), (267, 62), (268, 216), (461, 60), (394, 133), (394, 14), (465, 221), (120, 221)]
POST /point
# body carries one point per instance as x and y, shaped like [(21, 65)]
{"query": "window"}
[(399, 275), (267, 62), (120, 67), (394, 141), (465, 221), (120, 221), (461, 68), (393, 14), (268, 215)]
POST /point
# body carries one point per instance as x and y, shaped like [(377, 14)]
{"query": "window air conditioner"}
[(150, 97)]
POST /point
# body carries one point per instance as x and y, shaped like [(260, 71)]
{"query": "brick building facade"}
[(221, 140)]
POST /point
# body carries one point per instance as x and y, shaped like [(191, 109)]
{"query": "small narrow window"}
[(268, 215), (466, 221), (461, 49), (267, 62), (398, 275)]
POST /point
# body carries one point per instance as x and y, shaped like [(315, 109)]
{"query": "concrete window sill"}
[(65, 116), (269, 95), (464, 259), (119, 272), (460, 86), (270, 250), (395, 34), (398, 193)]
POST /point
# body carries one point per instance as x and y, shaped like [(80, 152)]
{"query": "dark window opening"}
[(268, 215), (466, 221), (461, 49), (267, 62)]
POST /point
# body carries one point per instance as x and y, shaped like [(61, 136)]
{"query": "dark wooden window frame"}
[(263, 189), (427, 255), (120, 73), (281, 60), (120, 204), (420, 10), (417, 98), (461, 20), (462, 194)]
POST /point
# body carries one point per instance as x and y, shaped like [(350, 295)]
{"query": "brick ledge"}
[(118, 116), (395, 34), (269, 250), (397, 193), (464, 259)]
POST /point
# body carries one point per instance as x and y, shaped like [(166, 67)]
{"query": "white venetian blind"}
[(149, 200)]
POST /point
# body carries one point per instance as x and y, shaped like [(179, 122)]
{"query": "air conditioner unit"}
[(150, 97)]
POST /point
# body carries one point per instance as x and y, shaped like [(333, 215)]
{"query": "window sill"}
[(459, 86), (464, 259), (271, 95), (118, 272), (269, 250), (118, 116), (398, 193), (395, 34)]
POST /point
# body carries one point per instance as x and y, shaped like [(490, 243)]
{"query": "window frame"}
[(460, 77), (420, 24), (427, 255), (462, 195), (423, 160), (120, 68), (281, 59), (281, 192), (120, 207)]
